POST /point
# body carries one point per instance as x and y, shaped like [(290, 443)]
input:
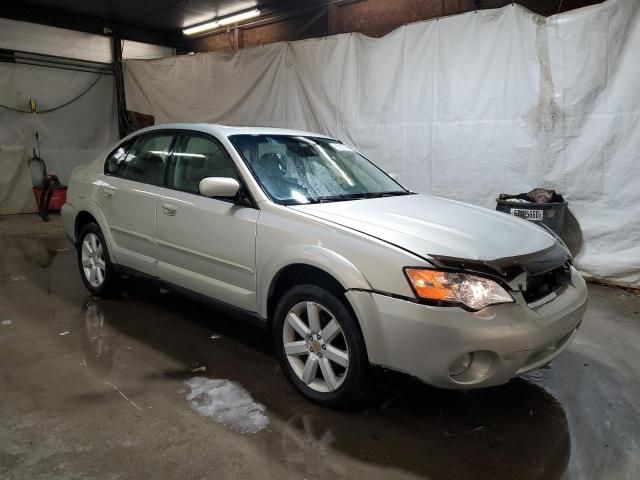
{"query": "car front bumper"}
[(506, 340)]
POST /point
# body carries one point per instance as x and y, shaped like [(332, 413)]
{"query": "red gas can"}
[(58, 194)]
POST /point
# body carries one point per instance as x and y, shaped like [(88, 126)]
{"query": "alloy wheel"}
[(93, 263), (315, 346)]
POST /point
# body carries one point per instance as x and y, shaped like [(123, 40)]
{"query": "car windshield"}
[(297, 169)]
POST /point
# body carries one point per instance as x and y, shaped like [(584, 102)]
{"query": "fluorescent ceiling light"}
[(239, 17), (200, 28), (213, 24)]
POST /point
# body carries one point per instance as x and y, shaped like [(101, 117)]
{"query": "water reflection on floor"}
[(108, 399)]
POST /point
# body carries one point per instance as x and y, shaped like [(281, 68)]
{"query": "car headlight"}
[(470, 290)]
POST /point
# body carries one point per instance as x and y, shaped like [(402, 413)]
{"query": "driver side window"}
[(196, 157)]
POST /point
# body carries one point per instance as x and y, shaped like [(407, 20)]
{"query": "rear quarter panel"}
[(81, 194)]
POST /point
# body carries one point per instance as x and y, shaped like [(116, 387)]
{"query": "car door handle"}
[(169, 209), (107, 192)]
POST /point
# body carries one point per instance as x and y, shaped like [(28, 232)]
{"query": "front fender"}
[(327, 260)]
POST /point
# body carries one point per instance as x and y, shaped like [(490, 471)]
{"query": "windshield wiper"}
[(357, 196), (336, 198), (395, 193)]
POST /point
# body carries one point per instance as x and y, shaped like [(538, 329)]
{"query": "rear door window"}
[(145, 161), (116, 157)]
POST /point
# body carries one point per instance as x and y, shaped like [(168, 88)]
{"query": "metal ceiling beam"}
[(56, 18)]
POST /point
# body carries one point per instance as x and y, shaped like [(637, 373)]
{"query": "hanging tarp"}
[(466, 107), (68, 136), (16, 193)]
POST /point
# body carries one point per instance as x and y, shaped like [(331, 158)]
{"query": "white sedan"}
[(345, 266)]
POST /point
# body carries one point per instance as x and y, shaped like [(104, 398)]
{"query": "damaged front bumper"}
[(449, 347)]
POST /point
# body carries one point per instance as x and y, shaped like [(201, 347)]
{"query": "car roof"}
[(228, 130)]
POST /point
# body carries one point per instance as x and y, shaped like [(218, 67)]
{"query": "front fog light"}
[(470, 290), (473, 367), (461, 364)]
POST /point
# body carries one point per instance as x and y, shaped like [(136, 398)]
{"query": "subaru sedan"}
[(343, 265)]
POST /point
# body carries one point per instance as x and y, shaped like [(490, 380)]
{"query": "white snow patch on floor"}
[(6, 323), (226, 402)]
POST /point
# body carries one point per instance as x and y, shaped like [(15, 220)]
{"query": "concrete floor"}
[(107, 399)]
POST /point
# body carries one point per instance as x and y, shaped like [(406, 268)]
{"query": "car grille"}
[(543, 284)]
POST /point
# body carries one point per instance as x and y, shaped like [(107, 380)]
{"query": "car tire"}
[(326, 364), (94, 262)]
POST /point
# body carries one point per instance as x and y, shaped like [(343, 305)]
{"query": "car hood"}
[(434, 226)]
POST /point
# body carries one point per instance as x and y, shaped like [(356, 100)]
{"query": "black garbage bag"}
[(537, 195)]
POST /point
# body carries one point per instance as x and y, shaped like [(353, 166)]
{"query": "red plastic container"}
[(58, 197)]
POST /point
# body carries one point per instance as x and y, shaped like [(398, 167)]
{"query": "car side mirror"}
[(219, 187)]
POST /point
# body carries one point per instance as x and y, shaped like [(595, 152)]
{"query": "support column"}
[(121, 104)]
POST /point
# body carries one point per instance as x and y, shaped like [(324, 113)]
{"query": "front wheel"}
[(320, 347), (95, 265)]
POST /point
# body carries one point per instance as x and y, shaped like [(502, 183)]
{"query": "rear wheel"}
[(95, 265), (320, 346)]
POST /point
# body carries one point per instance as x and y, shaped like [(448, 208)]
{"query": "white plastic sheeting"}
[(78, 132), (16, 195), (465, 107), (71, 136)]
